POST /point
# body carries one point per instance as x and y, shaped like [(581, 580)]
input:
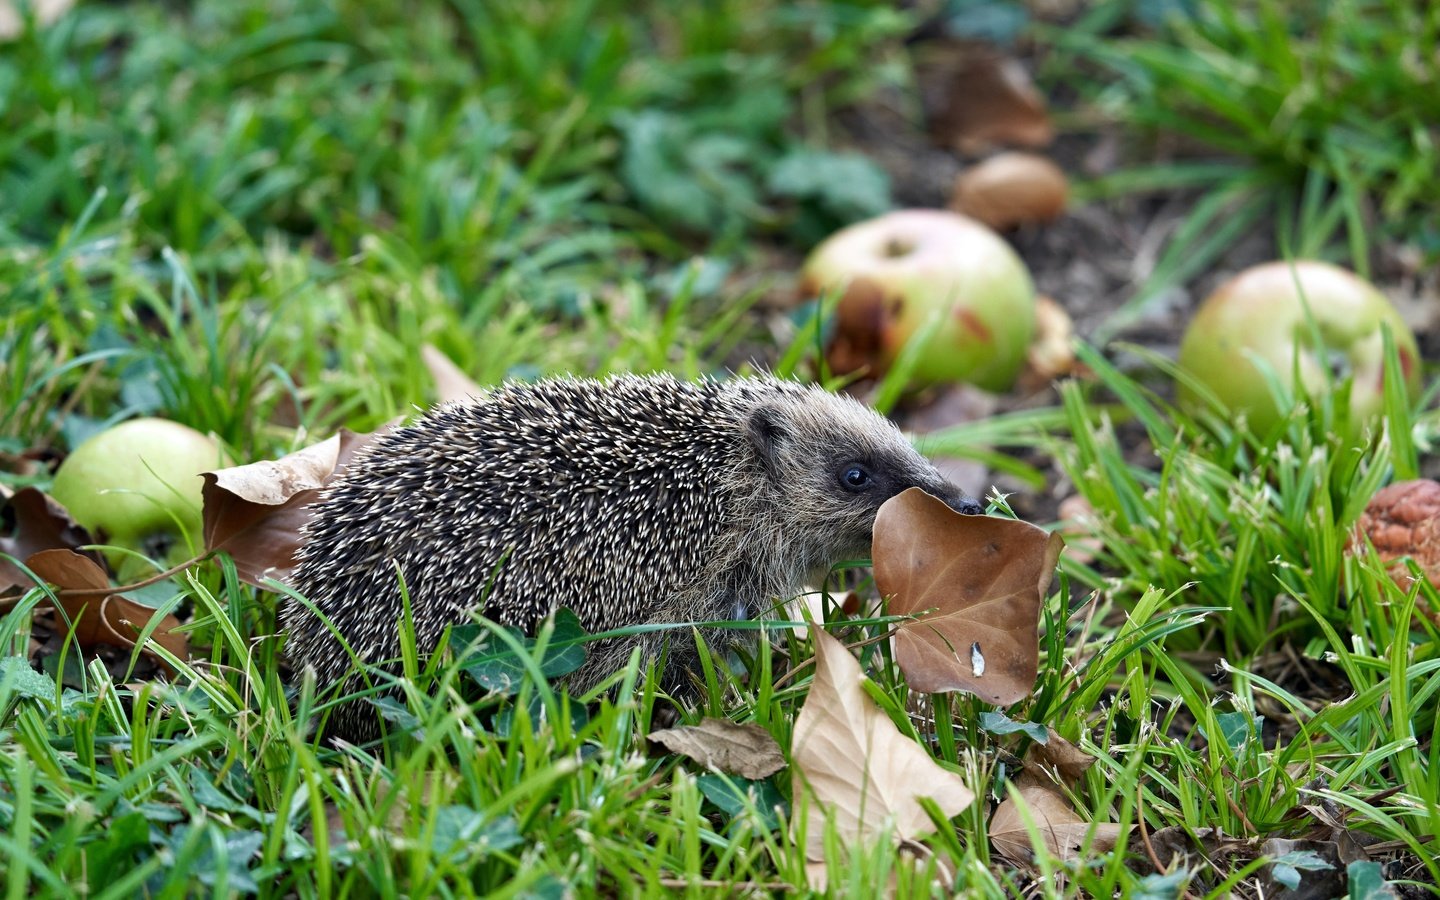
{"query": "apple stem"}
[(126, 588)]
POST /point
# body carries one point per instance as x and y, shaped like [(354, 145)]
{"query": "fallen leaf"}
[(1061, 755), (1302, 870), (103, 619), (976, 585), (855, 766), (1176, 844), (35, 522), (1081, 529), (1011, 189), (1062, 831), (1051, 353), (255, 512), (979, 99), (450, 382), (745, 750)]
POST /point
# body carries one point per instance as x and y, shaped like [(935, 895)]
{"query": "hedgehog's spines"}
[(632, 500)]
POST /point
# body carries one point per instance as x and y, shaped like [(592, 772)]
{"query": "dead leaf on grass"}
[(1061, 829), (103, 619), (1081, 528), (1186, 847), (855, 766), (255, 512), (1306, 870), (982, 580), (450, 382), (983, 99), (35, 522), (1061, 755), (744, 750), (1051, 353)]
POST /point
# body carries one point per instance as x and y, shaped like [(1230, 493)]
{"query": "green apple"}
[(1260, 315), (905, 269), (137, 485)]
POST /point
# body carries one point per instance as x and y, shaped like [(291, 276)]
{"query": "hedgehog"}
[(632, 500)]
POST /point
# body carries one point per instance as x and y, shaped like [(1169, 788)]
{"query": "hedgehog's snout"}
[(957, 499), (965, 504)]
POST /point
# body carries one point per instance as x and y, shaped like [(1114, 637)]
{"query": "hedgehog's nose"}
[(966, 506), (958, 500)]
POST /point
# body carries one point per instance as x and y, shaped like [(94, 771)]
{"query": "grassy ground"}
[(248, 216)]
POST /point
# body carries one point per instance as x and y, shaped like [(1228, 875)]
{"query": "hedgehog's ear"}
[(767, 431)]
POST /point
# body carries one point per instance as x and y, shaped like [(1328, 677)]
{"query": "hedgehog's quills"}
[(639, 499)]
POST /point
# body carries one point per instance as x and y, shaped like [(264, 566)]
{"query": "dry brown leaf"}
[(1061, 829), (1011, 189), (450, 382), (982, 99), (35, 522), (1051, 353), (103, 619), (1182, 846), (255, 512), (982, 580), (1315, 883), (745, 750), (1061, 755), (855, 766), (810, 605), (1080, 527)]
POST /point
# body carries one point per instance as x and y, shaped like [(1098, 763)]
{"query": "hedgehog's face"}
[(834, 462)]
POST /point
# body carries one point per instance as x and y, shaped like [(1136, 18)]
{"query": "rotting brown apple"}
[(1260, 316), (138, 484), (902, 270)]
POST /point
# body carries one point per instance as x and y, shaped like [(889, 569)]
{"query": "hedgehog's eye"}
[(855, 477)]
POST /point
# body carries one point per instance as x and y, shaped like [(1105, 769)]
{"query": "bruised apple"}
[(1260, 315), (901, 271), (138, 484)]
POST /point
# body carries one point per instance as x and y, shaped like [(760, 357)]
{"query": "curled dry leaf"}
[(975, 583), (1305, 869), (1183, 846), (745, 750), (103, 619), (984, 99), (255, 512), (1051, 354), (35, 522), (1011, 189), (1062, 831), (1403, 520), (1061, 755), (1080, 528), (450, 382), (810, 606), (855, 766)]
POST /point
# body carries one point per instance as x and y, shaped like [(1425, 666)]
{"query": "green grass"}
[(1315, 119), (249, 216)]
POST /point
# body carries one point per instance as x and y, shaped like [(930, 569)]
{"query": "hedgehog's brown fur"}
[(639, 499)]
